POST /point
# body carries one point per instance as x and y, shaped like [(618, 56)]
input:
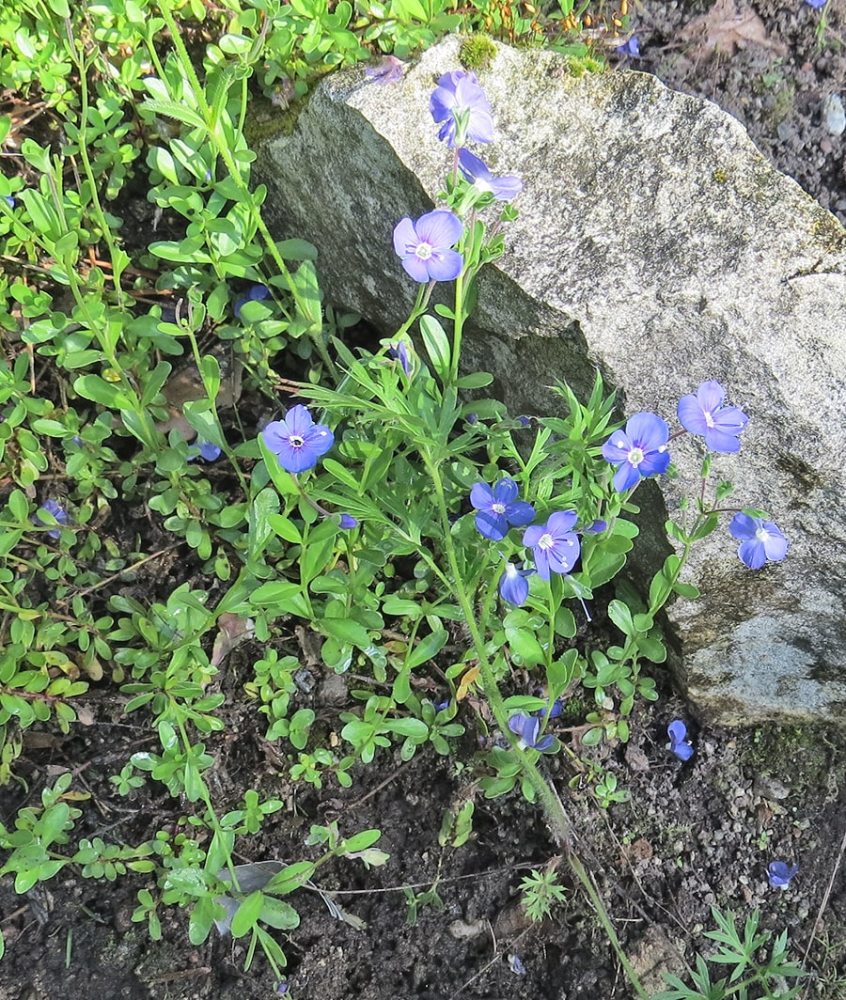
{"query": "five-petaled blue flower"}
[(780, 873), (58, 512), (705, 414), (389, 69), (555, 546), (639, 451), (760, 541), (630, 48), (526, 728), (399, 352), (499, 509), (204, 449), (297, 441), (425, 246), (256, 293), (458, 104), (478, 174), (514, 584), (679, 743)]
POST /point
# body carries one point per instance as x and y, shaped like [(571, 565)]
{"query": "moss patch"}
[(477, 52), (803, 756)]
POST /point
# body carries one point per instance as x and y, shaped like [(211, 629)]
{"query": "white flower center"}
[(636, 456), (511, 570), (423, 251), (498, 508), (295, 441), (762, 534), (709, 420), (482, 185), (546, 541)]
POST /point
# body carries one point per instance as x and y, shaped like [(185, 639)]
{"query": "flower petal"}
[(481, 496), (541, 563), (561, 522), (298, 420), (417, 268), (405, 237), (295, 459), (724, 442), (626, 477), (318, 439), (440, 228), (655, 463), (775, 544), (677, 731), (276, 435), (711, 396), (731, 419), (743, 526), (617, 447), (520, 513), (513, 586), (472, 167), (531, 536), (648, 431), (445, 265), (691, 416), (491, 526), (752, 553), (505, 490)]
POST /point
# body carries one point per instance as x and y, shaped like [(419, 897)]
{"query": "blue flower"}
[(639, 451), (779, 874), (526, 728), (348, 522), (554, 545), (630, 48), (460, 107), (679, 743), (524, 420), (554, 712), (706, 415), (514, 585), (59, 514), (389, 69), (816, 4), (255, 294), (297, 441), (499, 509), (760, 541), (425, 246), (477, 173), (9, 199), (204, 449), (595, 528), (399, 352)]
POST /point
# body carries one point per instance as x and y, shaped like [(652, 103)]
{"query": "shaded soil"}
[(691, 835)]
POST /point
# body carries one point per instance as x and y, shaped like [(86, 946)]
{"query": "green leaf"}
[(296, 250), (169, 109), (427, 649), (345, 630), (278, 914), (593, 737), (285, 528), (100, 391), (290, 878), (436, 343), (247, 914)]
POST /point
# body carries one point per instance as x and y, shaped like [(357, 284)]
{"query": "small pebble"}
[(834, 115)]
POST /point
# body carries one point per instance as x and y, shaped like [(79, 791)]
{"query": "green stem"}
[(559, 822), (457, 327)]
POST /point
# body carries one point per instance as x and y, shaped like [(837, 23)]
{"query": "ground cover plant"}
[(376, 518)]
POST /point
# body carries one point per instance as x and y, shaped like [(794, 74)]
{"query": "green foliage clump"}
[(477, 52)]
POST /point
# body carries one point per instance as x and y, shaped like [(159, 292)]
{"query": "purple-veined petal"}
[(298, 420), (531, 536), (724, 442), (541, 563), (506, 188), (545, 743), (647, 431), (481, 128), (520, 513), (731, 419), (513, 586), (691, 416), (743, 526), (626, 477), (711, 396), (472, 167), (617, 447), (655, 463), (775, 544), (440, 229), (295, 459), (416, 268), (561, 522), (405, 237), (276, 435), (445, 265), (481, 496), (491, 526), (505, 490), (752, 553), (319, 439), (564, 556)]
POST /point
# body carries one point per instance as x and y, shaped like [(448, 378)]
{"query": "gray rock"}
[(655, 243), (834, 115)]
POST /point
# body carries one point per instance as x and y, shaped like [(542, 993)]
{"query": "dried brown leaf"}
[(233, 630), (727, 27)]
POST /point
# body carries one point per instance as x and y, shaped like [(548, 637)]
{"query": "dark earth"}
[(692, 835)]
